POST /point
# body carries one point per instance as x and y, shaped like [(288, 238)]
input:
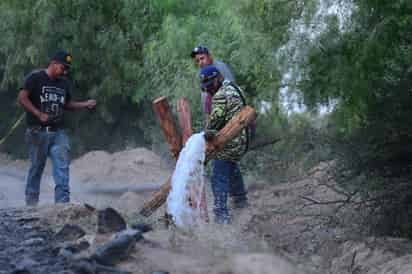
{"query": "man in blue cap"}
[(45, 96), (227, 101), (202, 58)]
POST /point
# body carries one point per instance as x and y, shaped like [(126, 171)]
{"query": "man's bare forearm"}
[(25, 102), (74, 105)]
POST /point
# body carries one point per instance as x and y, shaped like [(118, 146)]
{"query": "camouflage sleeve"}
[(217, 116)]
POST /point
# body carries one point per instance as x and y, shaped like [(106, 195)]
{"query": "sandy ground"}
[(283, 232), (95, 176), (98, 178)]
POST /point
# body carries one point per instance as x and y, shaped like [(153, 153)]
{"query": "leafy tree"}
[(366, 71)]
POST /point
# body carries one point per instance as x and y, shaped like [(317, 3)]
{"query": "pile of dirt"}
[(295, 227), (135, 166)]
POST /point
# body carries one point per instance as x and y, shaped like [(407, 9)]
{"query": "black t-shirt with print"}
[(48, 96)]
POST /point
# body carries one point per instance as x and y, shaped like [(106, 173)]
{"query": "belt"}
[(45, 128)]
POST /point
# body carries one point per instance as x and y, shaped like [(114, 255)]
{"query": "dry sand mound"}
[(133, 166)]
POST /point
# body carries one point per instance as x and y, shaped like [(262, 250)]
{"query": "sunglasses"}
[(207, 85)]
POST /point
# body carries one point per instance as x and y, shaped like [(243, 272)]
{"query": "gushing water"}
[(185, 198)]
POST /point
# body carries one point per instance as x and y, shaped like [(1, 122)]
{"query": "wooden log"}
[(231, 130), (158, 199), (168, 125), (185, 119), (169, 129)]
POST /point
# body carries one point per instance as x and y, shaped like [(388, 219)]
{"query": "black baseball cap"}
[(63, 57), (199, 50)]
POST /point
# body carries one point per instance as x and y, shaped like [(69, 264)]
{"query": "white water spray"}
[(185, 197)]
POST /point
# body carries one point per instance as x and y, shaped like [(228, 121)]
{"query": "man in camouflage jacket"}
[(227, 101)]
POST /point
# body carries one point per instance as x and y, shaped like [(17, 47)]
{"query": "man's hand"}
[(43, 117), (90, 104), (209, 135)]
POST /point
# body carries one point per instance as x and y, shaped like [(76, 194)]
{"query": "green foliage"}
[(303, 143), (127, 53), (366, 70)]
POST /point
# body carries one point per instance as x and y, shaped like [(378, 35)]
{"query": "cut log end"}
[(156, 101)]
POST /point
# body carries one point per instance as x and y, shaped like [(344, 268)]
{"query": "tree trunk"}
[(231, 130)]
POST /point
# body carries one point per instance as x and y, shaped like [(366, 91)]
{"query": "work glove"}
[(209, 135)]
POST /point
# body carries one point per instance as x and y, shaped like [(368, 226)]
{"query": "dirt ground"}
[(284, 230)]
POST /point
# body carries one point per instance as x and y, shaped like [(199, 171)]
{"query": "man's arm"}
[(24, 101), (216, 119), (74, 105)]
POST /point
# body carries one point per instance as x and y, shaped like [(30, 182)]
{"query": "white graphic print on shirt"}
[(52, 100)]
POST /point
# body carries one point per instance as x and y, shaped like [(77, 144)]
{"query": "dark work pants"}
[(226, 180)]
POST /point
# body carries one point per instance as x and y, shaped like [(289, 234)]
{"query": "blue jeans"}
[(226, 180), (41, 145)]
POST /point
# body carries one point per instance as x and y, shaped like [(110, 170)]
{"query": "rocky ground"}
[(25, 248), (290, 228)]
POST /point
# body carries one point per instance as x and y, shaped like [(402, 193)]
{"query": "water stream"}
[(184, 200)]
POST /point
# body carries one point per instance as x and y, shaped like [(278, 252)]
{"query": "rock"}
[(24, 266), (20, 271), (117, 249), (69, 233), (84, 267), (101, 269), (142, 227), (27, 227), (28, 219), (78, 247), (91, 267), (109, 220), (89, 207), (73, 251), (63, 252), (33, 242)]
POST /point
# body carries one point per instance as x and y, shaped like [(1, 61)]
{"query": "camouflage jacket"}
[(226, 103)]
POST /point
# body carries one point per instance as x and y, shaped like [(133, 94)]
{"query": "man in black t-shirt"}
[(45, 96)]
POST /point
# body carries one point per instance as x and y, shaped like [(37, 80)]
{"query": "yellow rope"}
[(16, 124)]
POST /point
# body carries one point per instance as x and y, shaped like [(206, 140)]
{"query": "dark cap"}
[(199, 50), (206, 76), (64, 58)]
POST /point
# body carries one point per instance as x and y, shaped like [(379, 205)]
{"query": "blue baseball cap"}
[(207, 75)]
